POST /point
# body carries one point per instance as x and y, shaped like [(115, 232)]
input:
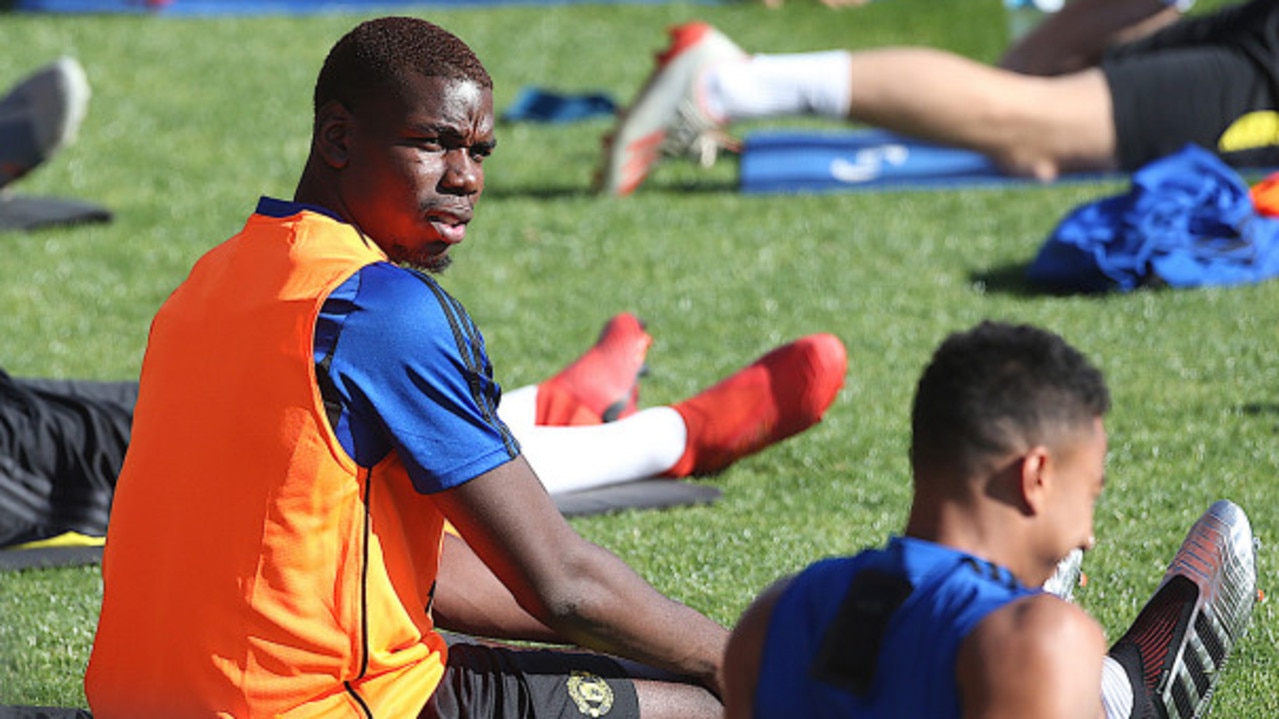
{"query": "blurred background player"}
[(1080, 93)]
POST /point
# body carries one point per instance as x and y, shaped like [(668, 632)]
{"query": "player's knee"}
[(674, 699), (1020, 162)]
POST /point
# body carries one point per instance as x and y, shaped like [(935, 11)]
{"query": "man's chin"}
[(424, 262)]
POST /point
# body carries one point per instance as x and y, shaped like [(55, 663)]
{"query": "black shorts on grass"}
[(506, 683), (1192, 81), (62, 443)]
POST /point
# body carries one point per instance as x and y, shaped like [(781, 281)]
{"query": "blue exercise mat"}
[(795, 161), (275, 7)]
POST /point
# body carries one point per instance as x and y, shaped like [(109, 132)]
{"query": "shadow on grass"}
[(1010, 279), (698, 187), (1260, 409)]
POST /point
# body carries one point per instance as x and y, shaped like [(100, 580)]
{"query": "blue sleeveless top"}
[(876, 635)]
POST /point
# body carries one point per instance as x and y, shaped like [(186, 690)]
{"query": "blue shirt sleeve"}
[(402, 368)]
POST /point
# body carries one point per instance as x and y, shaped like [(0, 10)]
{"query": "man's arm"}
[(470, 599), (1075, 37), (1037, 657), (581, 591), (744, 652)]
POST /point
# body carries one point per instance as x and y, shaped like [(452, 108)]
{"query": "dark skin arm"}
[(745, 650), (470, 599), (1075, 37), (579, 590)]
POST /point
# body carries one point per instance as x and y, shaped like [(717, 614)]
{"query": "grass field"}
[(193, 119)]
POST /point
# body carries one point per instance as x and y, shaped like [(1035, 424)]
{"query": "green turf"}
[(192, 119)]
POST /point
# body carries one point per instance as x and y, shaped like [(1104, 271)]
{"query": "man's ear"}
[(1036, 478), (333, 127)]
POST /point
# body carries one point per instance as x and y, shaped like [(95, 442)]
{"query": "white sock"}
[(1116, 690), (779, 86), (518, 408), (568, 459)]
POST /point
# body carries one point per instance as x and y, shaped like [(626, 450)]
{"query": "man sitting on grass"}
[(1008, 453), (314, 409)]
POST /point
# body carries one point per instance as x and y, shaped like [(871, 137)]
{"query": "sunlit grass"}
[(193, 119)]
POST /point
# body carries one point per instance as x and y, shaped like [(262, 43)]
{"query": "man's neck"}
[(314, 189), (972, 525)]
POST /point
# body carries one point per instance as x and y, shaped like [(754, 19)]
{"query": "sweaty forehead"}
[(454, 101), (466, 91)]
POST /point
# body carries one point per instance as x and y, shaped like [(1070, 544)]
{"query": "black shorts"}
[(62, 443), (507, 683), (33, 712), (1193, 81)]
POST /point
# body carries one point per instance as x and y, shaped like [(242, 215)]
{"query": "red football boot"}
[(781, 394), (603, 384)]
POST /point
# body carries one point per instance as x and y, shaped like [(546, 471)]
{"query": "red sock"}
[(603, 384), (781, 394)]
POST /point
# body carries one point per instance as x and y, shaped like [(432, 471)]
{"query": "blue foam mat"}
[(276, 7), (797, 161)]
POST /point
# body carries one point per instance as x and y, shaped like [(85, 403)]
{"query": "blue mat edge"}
[(209, 8), (956, 168)]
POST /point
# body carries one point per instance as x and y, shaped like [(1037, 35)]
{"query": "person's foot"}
[(1184, 635), (40, 115), (603, 384), (781, 394), (669, 116)]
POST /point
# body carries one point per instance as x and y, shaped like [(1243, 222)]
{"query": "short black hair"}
[(998, 386), (378, 56)]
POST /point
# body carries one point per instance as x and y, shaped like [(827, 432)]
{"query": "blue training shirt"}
[(402, 367)]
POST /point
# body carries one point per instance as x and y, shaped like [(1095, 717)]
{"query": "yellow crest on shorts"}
[(592, 695), (1255, 129)]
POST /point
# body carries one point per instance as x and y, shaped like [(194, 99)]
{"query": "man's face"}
[(415, 167), (1079, 477)]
